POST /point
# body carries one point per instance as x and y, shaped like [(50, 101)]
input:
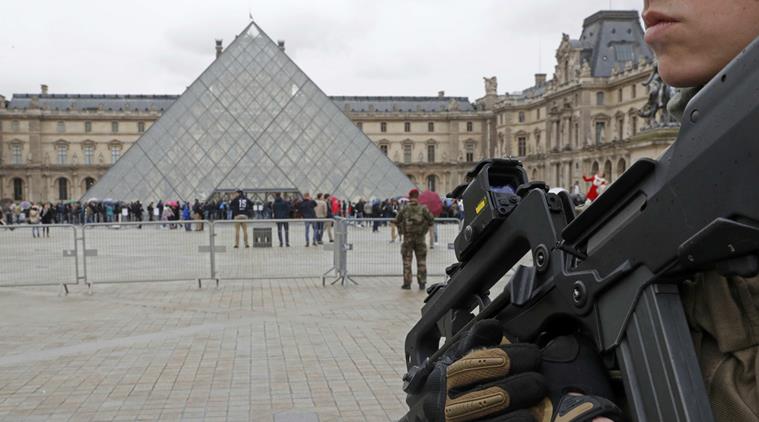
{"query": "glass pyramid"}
[(252, 120)]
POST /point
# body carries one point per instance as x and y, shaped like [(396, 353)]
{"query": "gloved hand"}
[(480, 379), (577, 382), (483, 380)]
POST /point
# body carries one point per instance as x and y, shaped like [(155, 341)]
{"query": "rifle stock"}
[(612, 271)]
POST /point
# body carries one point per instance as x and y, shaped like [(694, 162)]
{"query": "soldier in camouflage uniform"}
[(693, 40), (413, 222)]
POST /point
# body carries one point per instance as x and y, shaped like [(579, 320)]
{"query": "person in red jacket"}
[(596, 181)]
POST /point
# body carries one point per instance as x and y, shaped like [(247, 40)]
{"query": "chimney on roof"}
[(219, 48), (43, 89), (281, 45), (441, 94), (540, 79)]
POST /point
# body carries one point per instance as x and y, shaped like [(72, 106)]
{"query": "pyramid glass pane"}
[(252, 120)]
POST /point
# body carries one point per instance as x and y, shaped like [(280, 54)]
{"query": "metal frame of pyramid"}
[(251, 120)]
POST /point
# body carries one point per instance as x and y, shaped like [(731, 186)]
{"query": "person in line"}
[(321, 212), (333, 209), (241, 207), (46, 218), (281, 209), (306, 208), (34, 219)]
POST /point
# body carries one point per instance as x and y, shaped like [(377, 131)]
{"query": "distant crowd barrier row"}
[(331, 249)]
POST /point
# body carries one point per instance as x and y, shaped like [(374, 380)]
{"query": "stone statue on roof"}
[(585, 71), (453, 105), (491, 85)]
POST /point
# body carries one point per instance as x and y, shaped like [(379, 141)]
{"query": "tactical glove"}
[(577, 382), (480, 379), (483, 380)]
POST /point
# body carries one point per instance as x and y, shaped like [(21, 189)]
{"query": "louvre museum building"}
[(253, 120)]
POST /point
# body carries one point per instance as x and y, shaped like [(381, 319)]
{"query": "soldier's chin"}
[(683, 73)]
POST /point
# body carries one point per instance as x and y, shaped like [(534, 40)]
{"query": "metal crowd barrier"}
[(146, 251), (265, 258), (373, 250), (39, 255), (199, 250)]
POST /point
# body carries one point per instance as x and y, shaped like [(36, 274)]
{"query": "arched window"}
[(431, 183), (17, 152), (469, 152), (407, 153), (115, 147), (18, 189), (621, 166), (63, 150), (600, 132), (88, 152), (522, 146), (599, 98), (595, 167), (63, 189), (88, 183)]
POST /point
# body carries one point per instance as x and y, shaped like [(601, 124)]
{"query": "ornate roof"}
[(93, 102), (612, 38)]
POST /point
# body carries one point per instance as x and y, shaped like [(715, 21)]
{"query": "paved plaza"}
[(264, 350), (286, 349)]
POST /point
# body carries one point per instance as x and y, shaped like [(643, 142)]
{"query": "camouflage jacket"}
[(723, 315), (414, 220)]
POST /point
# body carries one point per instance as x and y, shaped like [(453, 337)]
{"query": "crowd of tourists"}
[(172, 211)]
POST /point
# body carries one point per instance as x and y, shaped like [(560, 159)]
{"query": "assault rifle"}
[(612, 272)]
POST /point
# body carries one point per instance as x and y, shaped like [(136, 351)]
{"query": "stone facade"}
[(583, 120), (53, 147), (434, 140)]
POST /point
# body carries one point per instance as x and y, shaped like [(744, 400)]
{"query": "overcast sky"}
[(348, 47)]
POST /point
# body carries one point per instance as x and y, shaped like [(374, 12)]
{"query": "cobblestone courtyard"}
[(264, 350)]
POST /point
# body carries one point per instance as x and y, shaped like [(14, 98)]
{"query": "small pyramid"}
[(252, 120)]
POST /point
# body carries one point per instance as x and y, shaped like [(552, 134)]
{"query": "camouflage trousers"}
[(414, 246)]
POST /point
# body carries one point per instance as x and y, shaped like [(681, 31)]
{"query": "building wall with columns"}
[(434, 140), (52, 152)]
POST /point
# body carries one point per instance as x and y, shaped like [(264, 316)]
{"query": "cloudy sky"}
[(348, 47)]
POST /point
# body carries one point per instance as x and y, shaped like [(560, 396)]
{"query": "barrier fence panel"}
[(265, 258), (38, 255), (146, 251), (373, 251)]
